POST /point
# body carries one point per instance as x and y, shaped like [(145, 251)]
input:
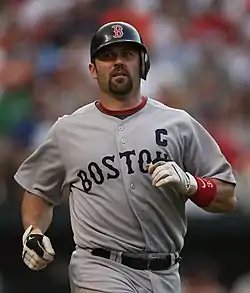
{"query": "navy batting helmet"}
[(119, 32)]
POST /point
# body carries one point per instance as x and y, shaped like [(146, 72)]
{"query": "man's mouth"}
[(119, 73)]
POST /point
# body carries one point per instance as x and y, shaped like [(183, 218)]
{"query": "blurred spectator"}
[(202, 276), (123, 11)]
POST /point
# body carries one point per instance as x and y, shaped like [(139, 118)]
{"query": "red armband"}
[(206, 192)]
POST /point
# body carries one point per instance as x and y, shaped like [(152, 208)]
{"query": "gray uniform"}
[(100, 160)]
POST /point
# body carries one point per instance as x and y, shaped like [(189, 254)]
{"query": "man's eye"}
[(105, 55), (108, 54), (127, 53)]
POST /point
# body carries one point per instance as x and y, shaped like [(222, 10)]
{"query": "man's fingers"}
[(157, 170), (36, 265), (34, 261), (164, 181), (159, 175), (152, 167)]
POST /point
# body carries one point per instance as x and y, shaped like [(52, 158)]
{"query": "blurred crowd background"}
[(200, 56)]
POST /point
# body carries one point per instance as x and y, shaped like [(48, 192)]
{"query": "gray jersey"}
[(100, 160)]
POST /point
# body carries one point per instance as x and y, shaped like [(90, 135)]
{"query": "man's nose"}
[(118, 64), (118, 59)]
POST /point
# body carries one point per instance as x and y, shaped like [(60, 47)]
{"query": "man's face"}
[(117, 69)]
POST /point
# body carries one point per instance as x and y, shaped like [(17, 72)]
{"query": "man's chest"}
[(106, 153)]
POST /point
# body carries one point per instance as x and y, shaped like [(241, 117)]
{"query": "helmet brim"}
[(123, 41)]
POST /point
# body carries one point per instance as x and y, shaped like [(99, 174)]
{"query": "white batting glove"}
[(169, 173), (37, 249)]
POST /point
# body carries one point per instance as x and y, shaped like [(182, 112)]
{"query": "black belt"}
[(153, 263)]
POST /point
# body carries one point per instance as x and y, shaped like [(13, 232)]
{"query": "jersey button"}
[(120, 128), (123, 141), (140, 217), (132, 186)]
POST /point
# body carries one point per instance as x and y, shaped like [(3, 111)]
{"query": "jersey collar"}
[(126, 112)]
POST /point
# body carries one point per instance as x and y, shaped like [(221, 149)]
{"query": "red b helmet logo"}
[(117, 31)]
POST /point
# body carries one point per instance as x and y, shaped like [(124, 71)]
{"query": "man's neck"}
[(119, 104)]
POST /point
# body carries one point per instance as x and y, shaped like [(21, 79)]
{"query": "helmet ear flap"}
[(145, 64)]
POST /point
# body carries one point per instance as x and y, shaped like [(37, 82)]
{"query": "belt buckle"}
[(150, 260)]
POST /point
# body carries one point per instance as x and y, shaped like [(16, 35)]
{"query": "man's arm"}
[(37, 215), (42, 175), (36, 212), (212, 195), (204, 159), (225, 200)]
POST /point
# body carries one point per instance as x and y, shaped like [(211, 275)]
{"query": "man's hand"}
[(169, 173), (37, 249)]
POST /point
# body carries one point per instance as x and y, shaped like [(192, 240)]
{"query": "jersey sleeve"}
[(202, 155), (43, 173)]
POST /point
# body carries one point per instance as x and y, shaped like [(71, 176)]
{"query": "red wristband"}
[(206, 192)]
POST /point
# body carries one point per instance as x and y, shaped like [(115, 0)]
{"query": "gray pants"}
[(91, 274)]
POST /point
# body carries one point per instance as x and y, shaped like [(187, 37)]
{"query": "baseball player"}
[(129, 165)]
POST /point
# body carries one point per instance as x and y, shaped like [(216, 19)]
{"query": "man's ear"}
[(92, 70)]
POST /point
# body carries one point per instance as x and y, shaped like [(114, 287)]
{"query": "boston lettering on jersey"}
[(95, 172)]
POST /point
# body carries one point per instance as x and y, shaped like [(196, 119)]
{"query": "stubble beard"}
[(122, 88)]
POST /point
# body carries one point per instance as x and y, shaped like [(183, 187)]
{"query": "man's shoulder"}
[(82, 111), (167, 110)]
